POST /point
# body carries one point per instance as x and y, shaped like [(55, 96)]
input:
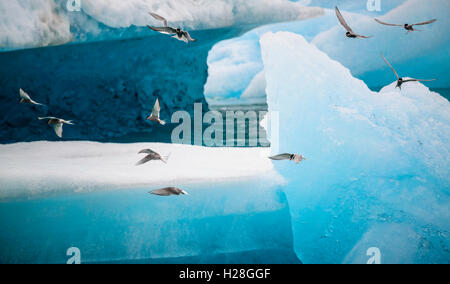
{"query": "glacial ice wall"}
[(35, 23), (378, 166), (234, 63), (108, 88), (223, 224)]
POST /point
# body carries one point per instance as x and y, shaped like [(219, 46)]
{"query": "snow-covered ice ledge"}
[(37, 168)]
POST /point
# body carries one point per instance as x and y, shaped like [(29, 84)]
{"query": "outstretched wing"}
[(156, 109), (58, 127), (161, 192), (425, 23), (147, 151), (24, 95), (67, 122), (418, 80), (281, 157), (147, 159), (163, 30), (48, 117), (159, 18), (389, 64), (342, 20), (387, 24), (361, 36)]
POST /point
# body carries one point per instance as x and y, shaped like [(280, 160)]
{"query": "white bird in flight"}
[(291, 157), (25, 99), (151, 156), (408, 27), (155, 114), (176, 33), (400, 80), (169, 191), (350, 33), (57, 124)]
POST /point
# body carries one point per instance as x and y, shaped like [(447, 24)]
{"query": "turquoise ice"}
[(378, 168)]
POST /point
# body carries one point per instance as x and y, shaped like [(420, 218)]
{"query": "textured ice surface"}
[(216, 223), (379, 163), (234, 63), (37, 168), (419, 54), (33, 23)]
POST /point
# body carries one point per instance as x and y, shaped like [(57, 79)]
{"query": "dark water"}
[(241, 128), (108, 88), (443, 92)]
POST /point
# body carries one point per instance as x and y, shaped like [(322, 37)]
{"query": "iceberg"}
[(37, 23), (234, 63), (90, 166), (378, 166), (91, 197), (429, 57)]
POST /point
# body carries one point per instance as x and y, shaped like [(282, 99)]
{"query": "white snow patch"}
[(37, 168)]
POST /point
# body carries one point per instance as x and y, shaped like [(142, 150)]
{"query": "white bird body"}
[(26, 99), (155, 114), (151, 156), (176, 33), (57, 124)]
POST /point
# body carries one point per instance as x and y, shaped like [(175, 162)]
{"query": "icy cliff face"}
[(34, 23), (107, 88), (234, 63), (378, 168)]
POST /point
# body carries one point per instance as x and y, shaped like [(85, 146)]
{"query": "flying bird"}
[(291, 157), (155, 114), (400, 80), (409, 28), (176, 33), (151, 156), (169, 191), (25, 99), (57, 124), (350, 33)]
